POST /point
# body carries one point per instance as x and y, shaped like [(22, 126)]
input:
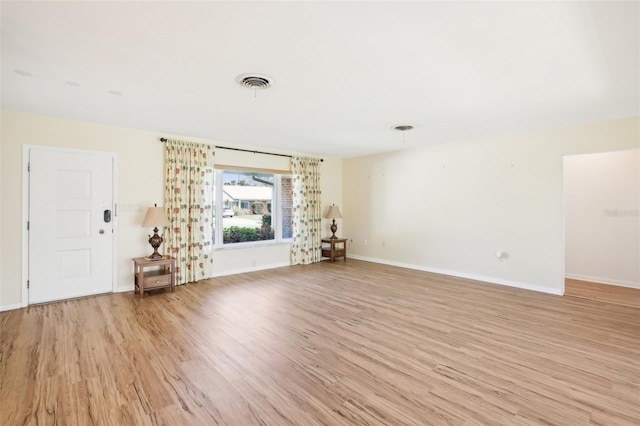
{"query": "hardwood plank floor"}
[(602, 292), (349, 343)]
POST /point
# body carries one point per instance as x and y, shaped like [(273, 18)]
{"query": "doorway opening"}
[(602, 225)]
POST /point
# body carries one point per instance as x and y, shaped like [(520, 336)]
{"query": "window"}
[(255, 207)]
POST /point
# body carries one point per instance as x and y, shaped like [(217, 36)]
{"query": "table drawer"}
[(336, 252), (157, 281)]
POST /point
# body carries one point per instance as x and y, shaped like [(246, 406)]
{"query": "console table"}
[(334, 248), (165, 277)]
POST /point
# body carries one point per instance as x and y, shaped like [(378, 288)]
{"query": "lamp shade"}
[(334, 212), (155, 217)]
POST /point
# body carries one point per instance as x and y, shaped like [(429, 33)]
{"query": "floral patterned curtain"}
[(188, 199), (306, 245)]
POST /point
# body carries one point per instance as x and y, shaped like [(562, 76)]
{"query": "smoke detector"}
[(254, 81)]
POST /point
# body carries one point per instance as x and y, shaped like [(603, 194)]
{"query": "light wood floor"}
[(350, 343), (602, 292)]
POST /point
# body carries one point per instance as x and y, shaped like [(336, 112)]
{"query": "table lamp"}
[(156, 216), (333, 213)]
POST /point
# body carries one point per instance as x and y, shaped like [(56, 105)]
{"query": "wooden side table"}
[(337, 247), (165, 277)]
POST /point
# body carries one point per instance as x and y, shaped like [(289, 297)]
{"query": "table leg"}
[(140, 276)]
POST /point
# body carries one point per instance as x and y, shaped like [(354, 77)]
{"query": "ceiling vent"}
[(254, 81), (404, 128)]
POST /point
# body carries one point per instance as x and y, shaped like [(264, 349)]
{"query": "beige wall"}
[(140, 184), (450, 207), (445, 207), (602, 223)]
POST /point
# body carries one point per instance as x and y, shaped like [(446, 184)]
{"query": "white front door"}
[(70, 224)]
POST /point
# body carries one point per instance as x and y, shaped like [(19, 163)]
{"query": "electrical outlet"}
[(501, 255)]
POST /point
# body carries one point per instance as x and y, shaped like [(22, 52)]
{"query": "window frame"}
[(276, 213)]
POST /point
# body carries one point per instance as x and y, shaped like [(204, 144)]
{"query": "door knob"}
[(101, 231)]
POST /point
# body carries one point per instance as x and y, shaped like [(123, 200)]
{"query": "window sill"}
[(251, 244)]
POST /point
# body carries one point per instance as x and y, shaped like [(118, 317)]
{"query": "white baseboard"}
[(10, 307), (250, 269), (601, 280), (492, 280)]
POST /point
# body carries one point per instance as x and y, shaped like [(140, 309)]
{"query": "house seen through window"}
[(255, 207)]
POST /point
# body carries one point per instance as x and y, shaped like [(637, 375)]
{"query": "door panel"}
[(70, 244)]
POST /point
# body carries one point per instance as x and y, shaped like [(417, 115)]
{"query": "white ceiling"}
[(345, 72)]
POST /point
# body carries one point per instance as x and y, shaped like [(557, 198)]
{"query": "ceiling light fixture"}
[(254, 81), (402, 129)]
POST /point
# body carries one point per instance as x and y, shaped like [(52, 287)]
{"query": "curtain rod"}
[(246, 150)]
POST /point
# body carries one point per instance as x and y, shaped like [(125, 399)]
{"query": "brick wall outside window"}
[(286, 200)]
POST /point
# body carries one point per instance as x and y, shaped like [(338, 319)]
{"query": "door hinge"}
[(28, 283), (29, 166), (115, 209), (28, 224)]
